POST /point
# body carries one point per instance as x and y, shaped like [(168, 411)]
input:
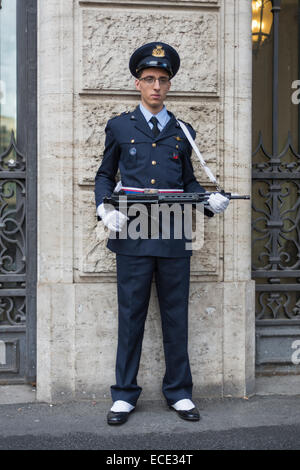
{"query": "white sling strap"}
[(197, 152)]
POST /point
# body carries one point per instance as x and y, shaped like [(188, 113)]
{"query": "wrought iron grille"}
[(12, 236), (12, 261), (276, 232)]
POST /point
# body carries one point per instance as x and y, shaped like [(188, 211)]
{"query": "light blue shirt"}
[(162, 117)]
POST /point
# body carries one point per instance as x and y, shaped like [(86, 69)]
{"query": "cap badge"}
[(158, 51)]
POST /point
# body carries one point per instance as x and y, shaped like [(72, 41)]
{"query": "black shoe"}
[(117, 417), (189, 415)]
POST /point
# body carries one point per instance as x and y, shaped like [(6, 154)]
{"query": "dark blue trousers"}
[(134, 275)]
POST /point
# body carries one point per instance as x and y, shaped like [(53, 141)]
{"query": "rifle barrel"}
[(160, 198)]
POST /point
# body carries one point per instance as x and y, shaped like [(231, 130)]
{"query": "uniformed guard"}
[(151, 151)]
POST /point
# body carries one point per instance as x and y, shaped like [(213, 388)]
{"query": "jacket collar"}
[(141, 124)]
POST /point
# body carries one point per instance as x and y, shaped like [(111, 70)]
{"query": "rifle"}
[(154, 197)]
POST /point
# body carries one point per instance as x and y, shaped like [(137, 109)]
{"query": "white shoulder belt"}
[(197, 152)]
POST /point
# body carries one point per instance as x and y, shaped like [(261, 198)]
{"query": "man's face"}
[(153, 94)]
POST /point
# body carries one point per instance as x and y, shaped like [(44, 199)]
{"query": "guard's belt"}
[(128, 190)]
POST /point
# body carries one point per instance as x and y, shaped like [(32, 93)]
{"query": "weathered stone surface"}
[(55, 142), (56, 341), (239, 348), (204, 117), (91, 256), (93, 116), (107, 46), (206, 258)]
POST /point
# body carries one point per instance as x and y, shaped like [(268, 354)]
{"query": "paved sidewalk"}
[(261, 422)]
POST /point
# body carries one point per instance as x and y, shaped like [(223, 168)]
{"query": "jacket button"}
[(153, 162), (132, 141), (177, 146), (152, 181), (154, 144)]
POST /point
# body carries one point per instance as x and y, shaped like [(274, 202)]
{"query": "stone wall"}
[(84, 48)]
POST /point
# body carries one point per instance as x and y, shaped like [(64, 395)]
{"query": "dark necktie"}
[(155, 129)]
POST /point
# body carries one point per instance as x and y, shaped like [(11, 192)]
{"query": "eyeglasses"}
[(149, 80)]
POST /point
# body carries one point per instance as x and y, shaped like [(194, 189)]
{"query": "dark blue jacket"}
[(163, 162)]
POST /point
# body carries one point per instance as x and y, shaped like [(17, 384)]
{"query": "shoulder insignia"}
[(120, 114), (186, 123)]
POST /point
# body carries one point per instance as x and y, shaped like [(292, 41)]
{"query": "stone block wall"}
[(84, 49)]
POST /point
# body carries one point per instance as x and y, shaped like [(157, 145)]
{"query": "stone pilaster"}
[(55, 289), (239, 303)]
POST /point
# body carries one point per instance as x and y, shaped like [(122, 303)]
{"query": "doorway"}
[(276, 185)]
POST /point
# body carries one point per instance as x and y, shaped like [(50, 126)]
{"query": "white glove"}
[(217, 203), (112, 219)]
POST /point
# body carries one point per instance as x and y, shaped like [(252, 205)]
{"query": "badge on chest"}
[(132, 151)]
